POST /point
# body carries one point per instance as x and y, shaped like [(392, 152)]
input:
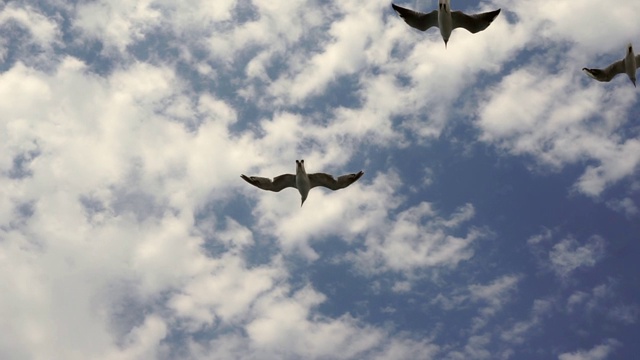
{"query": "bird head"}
[(300, 166), (443, 5)]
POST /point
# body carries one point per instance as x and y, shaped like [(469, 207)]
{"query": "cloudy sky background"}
[(498, 216)]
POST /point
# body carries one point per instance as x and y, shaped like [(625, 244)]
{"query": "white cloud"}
[(344, 54), (546, 235), (282, 326), (625, 314), (44, 31), (475, 348), (625, 206), (117, 23), (144, 341), (543, 109), (100, 225), (112, 240), (576, 299), (598, 352), (566, 256), (491, 298), (496, 295), (551, 116), (415, 240), (521, 330), (603, 299), (401, 287), (569, 255)]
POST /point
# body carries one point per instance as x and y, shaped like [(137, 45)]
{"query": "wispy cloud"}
[(415, 240), (566, 256), (625, 206), (496, 295), (603, 299), (521, 330), (569, 255), (126, 233), (598, 352)]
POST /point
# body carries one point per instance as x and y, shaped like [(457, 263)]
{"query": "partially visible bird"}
[(302, 181), (627, 65), (446, 20)]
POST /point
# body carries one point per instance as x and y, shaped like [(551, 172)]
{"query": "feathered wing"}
[(606, 74), (415, 19), (278, 183), (328, 181), (638, 61), (473, 23)]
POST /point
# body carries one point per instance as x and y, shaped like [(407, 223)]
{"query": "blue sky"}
[(497, 218)]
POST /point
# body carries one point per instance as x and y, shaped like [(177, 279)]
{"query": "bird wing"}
[(415, 19), (328, 181), (615, 69), (278, 183), (638, 61), (473, 23), (606, 74)]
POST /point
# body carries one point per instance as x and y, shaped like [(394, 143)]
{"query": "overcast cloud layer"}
[(497, 217)]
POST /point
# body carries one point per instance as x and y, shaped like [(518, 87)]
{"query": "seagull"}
[(446, 20), (302, 181), (627, 65)]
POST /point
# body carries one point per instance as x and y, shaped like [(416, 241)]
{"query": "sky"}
[(498, 216)]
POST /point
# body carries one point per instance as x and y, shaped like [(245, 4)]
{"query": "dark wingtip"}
[(397, 9), (495, 14)]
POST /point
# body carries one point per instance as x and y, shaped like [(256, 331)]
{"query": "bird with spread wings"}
[(302, 181)]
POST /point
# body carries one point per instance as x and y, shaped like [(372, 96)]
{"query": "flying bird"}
[(446, 20), (302, 181), (627, 65)]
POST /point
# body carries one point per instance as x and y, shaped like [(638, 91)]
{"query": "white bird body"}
[(302, 181), (446, 20), (628, 65), (445, 24)]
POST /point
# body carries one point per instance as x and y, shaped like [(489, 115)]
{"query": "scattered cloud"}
[(125, 232), (475, 348), (521, 330), (603, 299), (599, 352), (624, 206), (568, 255), (495, 295), (415, 240)]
